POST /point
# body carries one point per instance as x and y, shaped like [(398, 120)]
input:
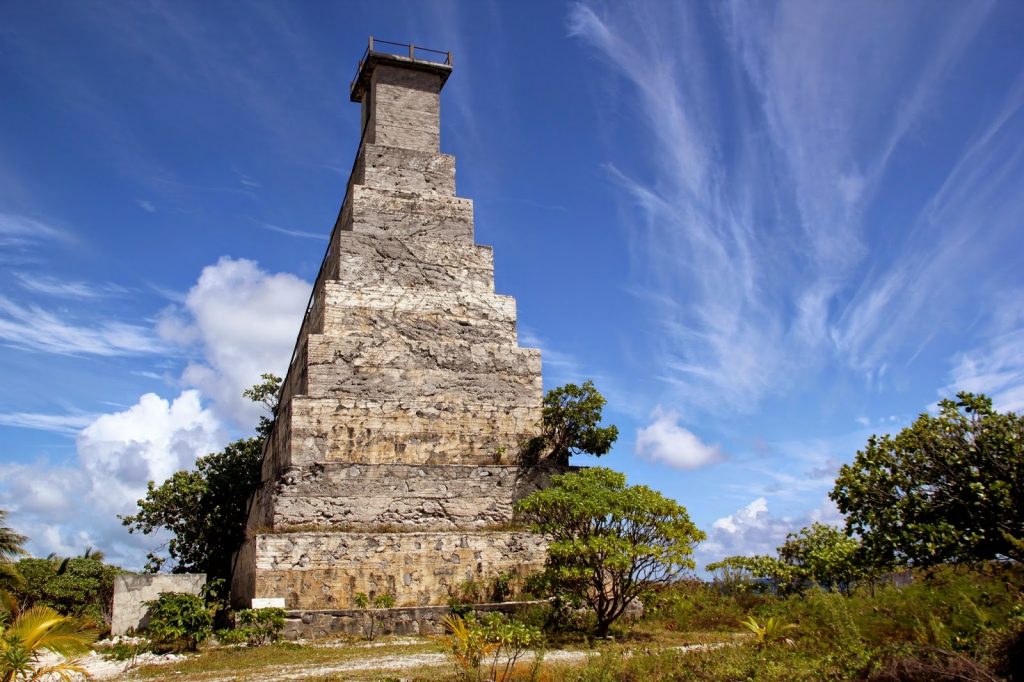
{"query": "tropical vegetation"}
[(608, 542), (205, 508)]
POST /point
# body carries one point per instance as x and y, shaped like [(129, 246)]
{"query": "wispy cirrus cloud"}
[(20, 232), (67, 424), (302, 234), (51, 286), (32, 328), (995, 368), (752, 237)]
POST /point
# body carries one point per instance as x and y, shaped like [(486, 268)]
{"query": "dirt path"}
[(398, 662)]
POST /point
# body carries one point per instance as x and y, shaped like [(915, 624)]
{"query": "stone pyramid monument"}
[(392, 466)]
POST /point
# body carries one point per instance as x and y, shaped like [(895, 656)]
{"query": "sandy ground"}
[(102, 669)]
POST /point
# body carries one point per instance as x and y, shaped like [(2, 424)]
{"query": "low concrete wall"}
[(132, 590), (407, 620), (411, 620)]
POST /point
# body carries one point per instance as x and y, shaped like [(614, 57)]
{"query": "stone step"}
[(408, 214), (320, 430), (380, 382), (419, 326), (339, 357), (317, 570), (459, 304), (412, 497), (406, 263), (383, 167)]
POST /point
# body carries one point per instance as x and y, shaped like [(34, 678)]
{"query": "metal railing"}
[(413, 52)]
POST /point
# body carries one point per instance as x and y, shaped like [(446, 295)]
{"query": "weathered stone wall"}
[(327, 570), (407, 214), (408, 399), (405, 109), (440, 431), (132, 591), (405, 169), (425, 498)]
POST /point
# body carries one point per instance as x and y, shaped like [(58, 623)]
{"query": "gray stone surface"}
[(368, 497), (132, 590)]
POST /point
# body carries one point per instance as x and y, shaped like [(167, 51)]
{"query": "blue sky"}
[(767, 231)]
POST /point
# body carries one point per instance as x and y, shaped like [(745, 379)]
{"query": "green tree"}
[(570, 425), (10, 541), (205, 508), (10, 548), (815, 555), (609, 542), (948, 488), (823, 555), (266, 393)]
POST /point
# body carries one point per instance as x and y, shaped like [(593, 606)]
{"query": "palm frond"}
[(68, 671), (40, 627), (10, 541)]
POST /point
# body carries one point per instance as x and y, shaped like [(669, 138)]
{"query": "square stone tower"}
[(392, 466)]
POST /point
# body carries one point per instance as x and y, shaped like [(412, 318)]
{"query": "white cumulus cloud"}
[(664, 440), (122, 451), (64, 509), (245, 321), (754, 529)]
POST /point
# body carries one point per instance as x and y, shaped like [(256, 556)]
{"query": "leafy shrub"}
[(178, 622), (770, 632), (261, 626), (381, 601), (495, 639), (231, 636)]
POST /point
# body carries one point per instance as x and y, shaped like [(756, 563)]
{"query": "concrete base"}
[(412, 620)]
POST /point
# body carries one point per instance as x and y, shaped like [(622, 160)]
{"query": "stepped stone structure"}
[(392, 466)]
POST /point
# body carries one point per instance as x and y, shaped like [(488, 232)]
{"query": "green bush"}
[(231, 636), (381, 601), (494, 642), (178, 622), (80, 587), (261, 626)]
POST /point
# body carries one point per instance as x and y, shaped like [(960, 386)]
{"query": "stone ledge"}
[(358, 497), (316, 570), (407, 620)]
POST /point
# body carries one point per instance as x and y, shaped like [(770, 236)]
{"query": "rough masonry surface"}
[(393, 463)]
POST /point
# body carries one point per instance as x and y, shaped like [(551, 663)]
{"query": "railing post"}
[(412, 51), (371, 44)]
